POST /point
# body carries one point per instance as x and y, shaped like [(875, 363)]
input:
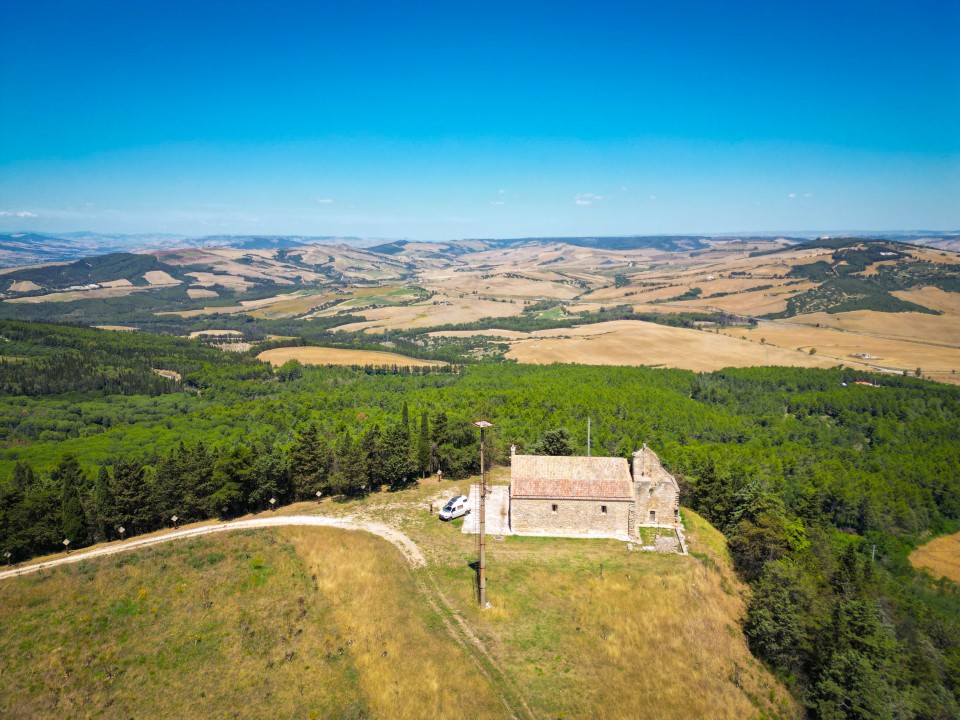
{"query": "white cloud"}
[(501, 191), (587, 198), (497, 202), (325, 201), (653, 197), (20, 214), (806, 194), (792, 195)]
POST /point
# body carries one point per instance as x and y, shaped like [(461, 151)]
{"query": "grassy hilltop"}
[(330, 623)]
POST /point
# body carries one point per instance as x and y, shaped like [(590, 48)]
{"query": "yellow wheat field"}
[(633, 342), (941, 556), (338, 356)]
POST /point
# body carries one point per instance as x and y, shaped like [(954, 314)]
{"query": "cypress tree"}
[(310, 459), (423, 445), (102, 506), (72, 519)]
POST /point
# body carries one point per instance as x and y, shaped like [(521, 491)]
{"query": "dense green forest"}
[(821, 486)]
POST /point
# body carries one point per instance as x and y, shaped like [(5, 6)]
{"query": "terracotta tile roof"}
[(547, 476)]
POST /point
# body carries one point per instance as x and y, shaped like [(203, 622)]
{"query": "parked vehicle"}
[(456, 507)]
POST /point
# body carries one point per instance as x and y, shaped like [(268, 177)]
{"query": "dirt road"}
[(406, 545)]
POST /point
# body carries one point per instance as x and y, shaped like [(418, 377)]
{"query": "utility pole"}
[(588, 436), (483, 425)]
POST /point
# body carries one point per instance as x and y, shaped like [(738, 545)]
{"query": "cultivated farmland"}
[(337, 356), (941, 556)]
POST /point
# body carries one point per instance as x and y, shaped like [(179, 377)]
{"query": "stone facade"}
[(596, 518), (591, 497), (656, 493)]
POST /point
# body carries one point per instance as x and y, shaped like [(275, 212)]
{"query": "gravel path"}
[(406, 545)]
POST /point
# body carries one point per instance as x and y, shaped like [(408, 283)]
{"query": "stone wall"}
[(572, 517), (655, 490), (660, 499)]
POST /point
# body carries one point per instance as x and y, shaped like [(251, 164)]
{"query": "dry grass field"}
[(24, 286), (198, 293), (71, 295), (588, 629), (943, 329), (117, 328), (439, 310), (839, 347), (319, 623), (159, 277), (337, 356), (940, 556), (215, 333), (234, 282), (632, 342)]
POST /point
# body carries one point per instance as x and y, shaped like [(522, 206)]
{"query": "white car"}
[(456, 507)]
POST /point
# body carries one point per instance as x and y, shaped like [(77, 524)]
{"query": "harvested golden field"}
[(24, 286), (639, 294), (439, 310), (839, 347), (940, 556), (943, 329), (205, 279), (243, 307), (71, 295), (933, 298), (197, 293), (339, 356), (522, 286), (159, 277), (632, 342), (117, 328)]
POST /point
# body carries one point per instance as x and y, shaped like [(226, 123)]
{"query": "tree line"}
[(194, 482)]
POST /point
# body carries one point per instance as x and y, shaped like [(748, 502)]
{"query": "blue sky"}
[(465, 119)]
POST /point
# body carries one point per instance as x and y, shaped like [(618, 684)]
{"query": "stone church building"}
[(591, 496)]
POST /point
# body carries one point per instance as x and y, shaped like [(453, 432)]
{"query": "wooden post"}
[(483, 425), (483, 523)]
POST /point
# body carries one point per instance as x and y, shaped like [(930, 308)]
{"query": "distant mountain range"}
[(28, 248)]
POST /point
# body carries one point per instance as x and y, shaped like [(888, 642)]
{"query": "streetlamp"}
[(483, 425), (273, 502)]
